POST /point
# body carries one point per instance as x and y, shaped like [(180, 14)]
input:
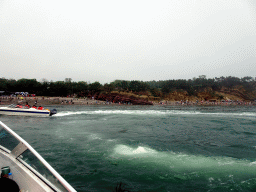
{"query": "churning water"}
[(147, 148)]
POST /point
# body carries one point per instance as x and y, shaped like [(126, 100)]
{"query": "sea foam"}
[(181, 162), (125, 150), (154, 112)]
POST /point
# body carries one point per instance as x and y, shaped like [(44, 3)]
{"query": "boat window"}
[(7, 140), (33, 162)]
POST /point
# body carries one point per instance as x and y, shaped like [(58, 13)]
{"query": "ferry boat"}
[(23, 169), (14, 110)]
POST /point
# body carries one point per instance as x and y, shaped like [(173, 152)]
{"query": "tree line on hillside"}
[(155, 88)]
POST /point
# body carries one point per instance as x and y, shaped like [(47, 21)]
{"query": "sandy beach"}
[(49, 101), (43, 101)]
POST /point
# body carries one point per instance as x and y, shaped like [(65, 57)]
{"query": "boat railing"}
[(21, 146)]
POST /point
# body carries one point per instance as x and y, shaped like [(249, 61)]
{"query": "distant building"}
[(2, 93), (68, 80)]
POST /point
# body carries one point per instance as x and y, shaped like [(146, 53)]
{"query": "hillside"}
[(146, 98), (139, 92)]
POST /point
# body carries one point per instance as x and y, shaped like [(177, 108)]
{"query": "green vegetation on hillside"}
[(200, 87)]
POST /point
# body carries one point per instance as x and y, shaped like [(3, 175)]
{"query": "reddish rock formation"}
[(116, 98)]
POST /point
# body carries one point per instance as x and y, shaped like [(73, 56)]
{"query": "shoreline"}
[(42, 101)]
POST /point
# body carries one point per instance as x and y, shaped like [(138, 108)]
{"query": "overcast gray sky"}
[(105, 40)]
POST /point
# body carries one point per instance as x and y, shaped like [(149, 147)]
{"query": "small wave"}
[(125, 150), (94, 137)]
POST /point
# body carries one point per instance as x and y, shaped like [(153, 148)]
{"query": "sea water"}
[(147, 148)]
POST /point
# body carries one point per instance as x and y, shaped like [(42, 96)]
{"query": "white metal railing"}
[(40, 158)]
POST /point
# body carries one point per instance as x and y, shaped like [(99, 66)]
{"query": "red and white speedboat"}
[(13, 110)]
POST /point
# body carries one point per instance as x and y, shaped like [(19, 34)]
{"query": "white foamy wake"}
[(113, 112), (68, 113), (185, 162), (154, 112), (125, 150)]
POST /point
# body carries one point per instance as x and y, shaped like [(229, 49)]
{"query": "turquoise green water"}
[(147, 148)]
